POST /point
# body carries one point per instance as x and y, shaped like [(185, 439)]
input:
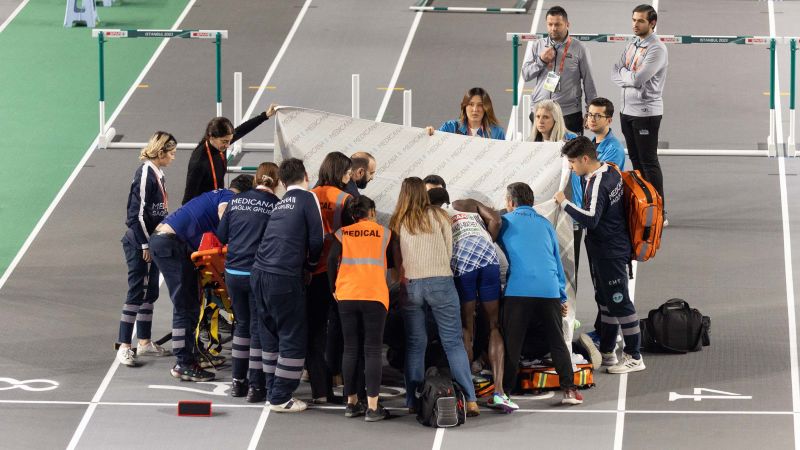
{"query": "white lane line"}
[(790, 301), (521, 85), (274, 66), (619, 428), (87, 416), (398, 67), (262, 421), (437, 440), (778, 115), (13, 15), (87, 155), (521, 410)]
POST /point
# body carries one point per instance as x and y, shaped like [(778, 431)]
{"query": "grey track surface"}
[(723, 251)]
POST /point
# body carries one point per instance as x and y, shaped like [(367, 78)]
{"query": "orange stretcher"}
[(210, 262)]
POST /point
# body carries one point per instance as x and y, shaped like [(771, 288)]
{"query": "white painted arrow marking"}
[(220, 388), (698, 395)]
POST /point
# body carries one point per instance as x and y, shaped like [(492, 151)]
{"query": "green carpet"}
[(48, 106)]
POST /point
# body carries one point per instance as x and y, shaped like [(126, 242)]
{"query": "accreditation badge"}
[(551, 82)]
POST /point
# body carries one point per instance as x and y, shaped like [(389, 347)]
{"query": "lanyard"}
[(638, 52), (211, 162), (564, 58)]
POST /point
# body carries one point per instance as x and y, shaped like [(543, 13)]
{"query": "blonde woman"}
[(548, 124), (426, 247), (147, 207)]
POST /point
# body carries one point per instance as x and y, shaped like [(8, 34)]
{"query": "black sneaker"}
[(376, 415), (209, 361), (256, 394), (238, 388), (354, 410), (191, 373)]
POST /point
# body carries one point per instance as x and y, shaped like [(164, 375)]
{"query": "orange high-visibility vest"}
[(331, 203), (362, 270)]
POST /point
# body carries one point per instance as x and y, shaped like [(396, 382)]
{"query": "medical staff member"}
[(147, 207)]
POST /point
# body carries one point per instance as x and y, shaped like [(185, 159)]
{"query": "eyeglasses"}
[(596, 116)]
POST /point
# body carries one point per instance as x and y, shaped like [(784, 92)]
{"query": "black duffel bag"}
[(675, 327)]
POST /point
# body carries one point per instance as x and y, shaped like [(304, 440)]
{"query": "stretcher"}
[(210, 262)]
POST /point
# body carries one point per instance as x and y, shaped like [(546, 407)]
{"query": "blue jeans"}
[(439, 293)]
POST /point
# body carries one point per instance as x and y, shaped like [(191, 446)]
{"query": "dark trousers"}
[(246, 348), (142, 293), (318, 304), (369, 316), (577, 233), (518, 314), (574, 123), (610, 278), (172, 256), (641, 138), (284, 333)]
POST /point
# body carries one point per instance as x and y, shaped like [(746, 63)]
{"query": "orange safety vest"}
[(331, 203), (362, 270)]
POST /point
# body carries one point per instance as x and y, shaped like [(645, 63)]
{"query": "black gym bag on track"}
[(675, 327)]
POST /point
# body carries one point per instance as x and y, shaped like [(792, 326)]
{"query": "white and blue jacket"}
[(147, 205)]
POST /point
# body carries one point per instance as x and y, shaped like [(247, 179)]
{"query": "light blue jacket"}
[(456, 127), (609, 150), (534, 259)]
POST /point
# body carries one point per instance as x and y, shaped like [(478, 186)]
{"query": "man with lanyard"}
[(558, 65), (641, 73)]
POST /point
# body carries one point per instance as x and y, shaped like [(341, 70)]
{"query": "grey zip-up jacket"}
[(577, 69), (641, 73)]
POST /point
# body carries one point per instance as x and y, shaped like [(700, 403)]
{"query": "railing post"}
[(771, 146), (101, 139), (237, 109), (407, 108), (791, 149), (526, 112), (356, 101), (218, 44), (515, 110)]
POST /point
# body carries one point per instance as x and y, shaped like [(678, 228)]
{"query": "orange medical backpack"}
[(645, 210)]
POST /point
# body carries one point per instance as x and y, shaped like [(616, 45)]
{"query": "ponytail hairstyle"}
[(267, 175), (359, 208), (161, 142)]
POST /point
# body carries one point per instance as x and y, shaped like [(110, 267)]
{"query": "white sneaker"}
[(628, 364), (126, 357), (609, 359), (292, 406), (152, 349), (594, 354)]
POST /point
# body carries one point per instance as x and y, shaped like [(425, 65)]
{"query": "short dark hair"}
[(243, 182), (438, 196), (360, 163), (436, 180), (520, 194), (333, 169), (603, 102), (219, 127), (360, 207), (580, 146), (557, 11), (291, 171), (652, 15)]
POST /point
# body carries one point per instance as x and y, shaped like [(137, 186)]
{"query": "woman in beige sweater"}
[(426, 246)]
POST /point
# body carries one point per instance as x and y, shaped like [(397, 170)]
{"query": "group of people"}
[(309, 273)]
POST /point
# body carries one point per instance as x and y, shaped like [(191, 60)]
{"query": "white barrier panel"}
[(473, 167)]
